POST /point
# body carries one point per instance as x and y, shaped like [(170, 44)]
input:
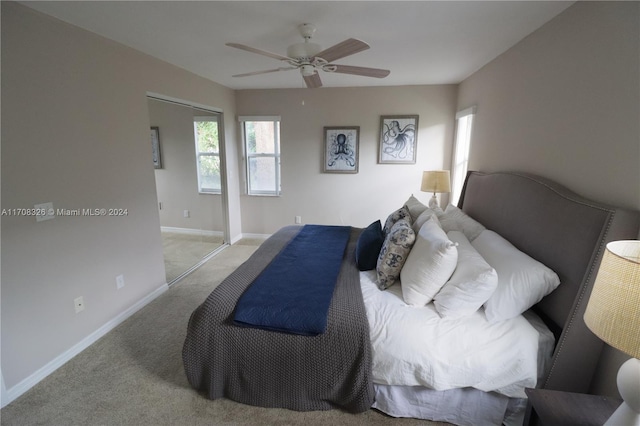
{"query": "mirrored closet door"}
[(186, 143)]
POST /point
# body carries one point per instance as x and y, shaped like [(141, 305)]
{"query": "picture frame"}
[(398, 139), (155, 147), (341, 149)]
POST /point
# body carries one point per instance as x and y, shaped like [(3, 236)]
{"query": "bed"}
[(339, 368)]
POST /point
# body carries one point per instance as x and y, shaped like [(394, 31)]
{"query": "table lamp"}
[(613, 314), (436, 181)]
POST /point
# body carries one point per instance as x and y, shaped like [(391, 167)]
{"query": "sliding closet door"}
[(188, 170)]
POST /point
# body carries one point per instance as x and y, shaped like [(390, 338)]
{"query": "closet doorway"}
[(188, 144)]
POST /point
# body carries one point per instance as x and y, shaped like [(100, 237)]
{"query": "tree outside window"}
[(262, 147), (207, 154)]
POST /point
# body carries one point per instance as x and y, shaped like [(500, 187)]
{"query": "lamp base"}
[(628, 414), (433, 202)]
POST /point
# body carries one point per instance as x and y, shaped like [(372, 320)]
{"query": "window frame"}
[(276, 155), (207, 118), (461, 151)]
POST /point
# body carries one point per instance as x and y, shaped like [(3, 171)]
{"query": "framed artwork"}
[(341, 149), (398, 139), (155, 147)]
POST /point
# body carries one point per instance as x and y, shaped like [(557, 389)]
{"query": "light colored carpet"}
[(134, 374), (182, 251)]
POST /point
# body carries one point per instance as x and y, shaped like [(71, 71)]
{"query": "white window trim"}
[(242, 118), (276, 155), (459, 172), (467, 111), (199, 154)]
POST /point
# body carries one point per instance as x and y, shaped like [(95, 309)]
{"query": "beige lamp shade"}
[(436, 181), (613, 311)]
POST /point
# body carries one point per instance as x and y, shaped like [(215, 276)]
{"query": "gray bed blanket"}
[(274, 369)]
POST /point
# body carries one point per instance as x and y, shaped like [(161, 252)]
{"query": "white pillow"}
[(426, 215), (454, 219), (415, 207), (429, 265), (522, 280), (471, 284)]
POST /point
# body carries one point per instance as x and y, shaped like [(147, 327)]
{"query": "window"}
[(207, 154), (261, 137), (464, 122)]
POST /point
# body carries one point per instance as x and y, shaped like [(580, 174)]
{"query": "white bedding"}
[(415, 347)]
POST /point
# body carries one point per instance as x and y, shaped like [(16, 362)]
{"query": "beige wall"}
[(350, 199), (564, 103), (75, 131), (177, 180)]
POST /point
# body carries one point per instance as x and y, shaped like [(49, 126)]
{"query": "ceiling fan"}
[(309, 58)]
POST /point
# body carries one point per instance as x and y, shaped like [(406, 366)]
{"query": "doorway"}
[(190, 184)]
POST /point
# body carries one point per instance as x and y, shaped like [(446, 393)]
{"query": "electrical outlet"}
[(186, 213), (78, 302), (298, 219), (120, 281)]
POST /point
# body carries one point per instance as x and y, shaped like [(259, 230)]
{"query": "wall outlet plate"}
[(120, 281)]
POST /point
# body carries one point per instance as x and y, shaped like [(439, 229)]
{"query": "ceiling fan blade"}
[(258, 51), (312, 81), (340, 50), (364, 71), (247, 74)]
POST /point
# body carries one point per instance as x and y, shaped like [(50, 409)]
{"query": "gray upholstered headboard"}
[(567, 233)]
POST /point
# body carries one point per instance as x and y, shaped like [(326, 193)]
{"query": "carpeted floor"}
[(182, 251), (134, 374)]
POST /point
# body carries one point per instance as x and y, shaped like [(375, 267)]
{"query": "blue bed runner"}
[(294, 292)]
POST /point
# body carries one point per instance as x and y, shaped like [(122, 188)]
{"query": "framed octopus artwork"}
[(341, 149), (398, 139)]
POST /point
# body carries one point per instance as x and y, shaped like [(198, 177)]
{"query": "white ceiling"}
[(421, 42)]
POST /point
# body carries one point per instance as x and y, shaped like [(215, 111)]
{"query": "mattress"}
[(413, 346)]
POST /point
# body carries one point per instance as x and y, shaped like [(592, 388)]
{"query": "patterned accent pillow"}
[(395, 250), (401, 213)]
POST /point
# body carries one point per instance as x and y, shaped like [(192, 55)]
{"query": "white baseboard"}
[(256, 236), (9, 395), (191, 231), (212, 233)]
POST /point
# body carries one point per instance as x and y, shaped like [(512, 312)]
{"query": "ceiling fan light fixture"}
[(307, 70)]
